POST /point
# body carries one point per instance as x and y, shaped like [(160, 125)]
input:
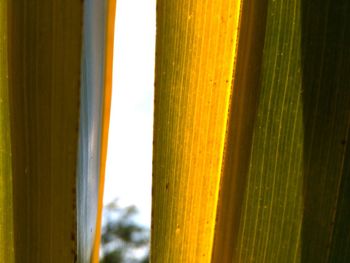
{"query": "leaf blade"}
[(196, 43)]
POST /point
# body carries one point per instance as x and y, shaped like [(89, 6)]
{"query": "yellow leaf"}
[(6, 204), (195, 57)]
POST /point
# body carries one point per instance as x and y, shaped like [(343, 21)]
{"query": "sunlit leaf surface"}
[(196, 42), (52, 54), (285, 175)]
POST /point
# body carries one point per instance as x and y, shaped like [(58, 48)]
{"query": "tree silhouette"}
[(122, 237)]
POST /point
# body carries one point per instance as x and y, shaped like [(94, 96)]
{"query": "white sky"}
[(129, 157)]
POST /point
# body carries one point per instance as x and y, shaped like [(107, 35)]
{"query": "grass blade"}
[(295, 185), (6, 204), (195, 51)]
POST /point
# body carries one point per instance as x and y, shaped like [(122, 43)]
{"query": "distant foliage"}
[(123, 240)]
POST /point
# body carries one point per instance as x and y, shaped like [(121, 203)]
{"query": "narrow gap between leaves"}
[(127, 195)]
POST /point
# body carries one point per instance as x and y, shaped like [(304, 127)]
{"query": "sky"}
[(129, 155)]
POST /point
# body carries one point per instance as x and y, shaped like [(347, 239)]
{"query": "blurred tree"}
[(122, 237)]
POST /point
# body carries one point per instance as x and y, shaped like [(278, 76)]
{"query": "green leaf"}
[(295, 185), (285, 168), (44, 84), (196, 43), (6, 204)]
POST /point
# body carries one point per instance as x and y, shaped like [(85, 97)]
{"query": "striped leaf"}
[(283, 162)]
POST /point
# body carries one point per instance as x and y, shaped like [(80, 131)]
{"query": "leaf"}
[(196, 42), (6, 205), (296, 184), (106, 102), (51, 183), (44, 83), (265, 225), (96, 85), (284, 186)]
